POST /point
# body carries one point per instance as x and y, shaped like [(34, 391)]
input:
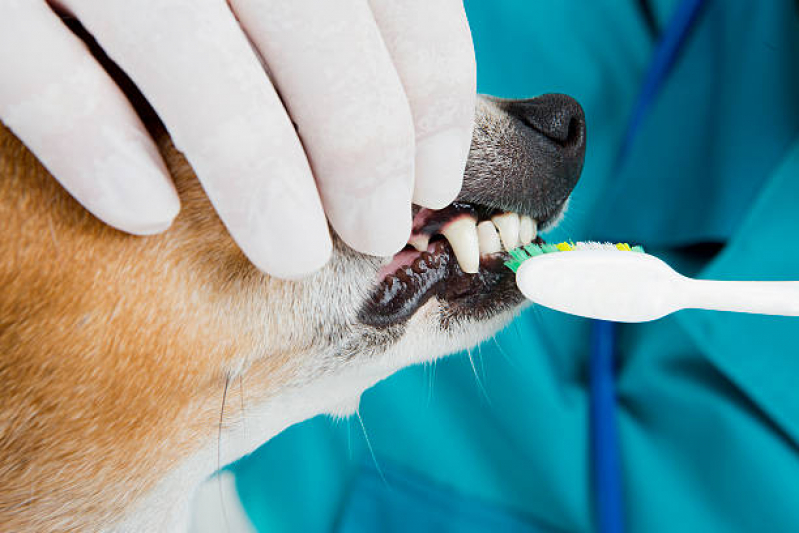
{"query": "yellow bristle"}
[(624, 247), (564, 247)]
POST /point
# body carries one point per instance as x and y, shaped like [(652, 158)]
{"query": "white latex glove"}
[(379, 90)]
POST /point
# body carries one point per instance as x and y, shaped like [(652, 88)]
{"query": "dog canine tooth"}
[(488, 238), (419, 241), (462, 236), (508, 226), (527, 230)]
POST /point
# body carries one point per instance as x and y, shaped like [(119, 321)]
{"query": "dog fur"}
[(133, 367)]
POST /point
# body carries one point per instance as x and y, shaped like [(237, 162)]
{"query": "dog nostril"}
[(556, 116)]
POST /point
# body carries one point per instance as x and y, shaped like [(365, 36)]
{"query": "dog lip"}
[(436, 273), (397, 296)]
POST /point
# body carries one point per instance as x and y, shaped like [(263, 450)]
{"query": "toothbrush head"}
[(523, 253), (615, 282)]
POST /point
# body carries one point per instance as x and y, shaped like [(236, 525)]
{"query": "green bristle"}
[(513, 265), (523, 253), (549, 248), (519, 257), (533, 250), (519, 253)]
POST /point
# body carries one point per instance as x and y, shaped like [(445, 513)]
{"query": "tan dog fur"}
[(111, 340)]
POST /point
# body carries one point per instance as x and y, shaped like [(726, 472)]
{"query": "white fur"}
[(217, 507), (168, 507)]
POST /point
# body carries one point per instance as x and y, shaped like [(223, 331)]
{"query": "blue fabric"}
[(669, 48), (708, 404), (394, 500), (604, 439), (726, 117)]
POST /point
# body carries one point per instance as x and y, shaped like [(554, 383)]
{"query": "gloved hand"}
[(380, 92)]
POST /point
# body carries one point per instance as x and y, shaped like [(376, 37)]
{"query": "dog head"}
[(123, 359)]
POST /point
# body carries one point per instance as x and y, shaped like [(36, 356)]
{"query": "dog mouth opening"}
[(456, 254)]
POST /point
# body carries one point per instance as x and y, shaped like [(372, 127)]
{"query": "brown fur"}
[(113, 348)]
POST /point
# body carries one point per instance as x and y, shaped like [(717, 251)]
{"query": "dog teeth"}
[(420, 241), (462, 236), (508, 226), (488, 237), (470, 240), (528, 230)]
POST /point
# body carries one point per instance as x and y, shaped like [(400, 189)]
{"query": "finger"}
[(335, 75), (430, 43), (194, 64), (58, 100)]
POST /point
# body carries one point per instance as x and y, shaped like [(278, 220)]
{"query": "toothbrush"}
[(621, 283)]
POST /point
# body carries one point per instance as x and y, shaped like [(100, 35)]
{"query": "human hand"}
[(382, 94)]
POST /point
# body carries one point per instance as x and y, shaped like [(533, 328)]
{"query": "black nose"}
[(556, 120), (556, 116)]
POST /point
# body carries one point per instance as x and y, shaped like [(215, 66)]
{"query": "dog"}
[(134, 367)]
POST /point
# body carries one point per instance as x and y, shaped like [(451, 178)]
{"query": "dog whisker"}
[(369, 446), (481, 360), (219, 454), (503, 353), (431, 378), (477, 377), (243, 412)]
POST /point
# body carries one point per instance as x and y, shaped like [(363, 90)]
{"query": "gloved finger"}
[(193, 63), (59, 101), (340, 87), (430, 43)]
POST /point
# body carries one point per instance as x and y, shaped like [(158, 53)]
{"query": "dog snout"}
[(527, 155), (561, 120)]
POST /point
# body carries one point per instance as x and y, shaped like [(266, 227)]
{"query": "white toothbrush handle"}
[(762, 297)]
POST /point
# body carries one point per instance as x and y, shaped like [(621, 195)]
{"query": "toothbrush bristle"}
[(523, 253)]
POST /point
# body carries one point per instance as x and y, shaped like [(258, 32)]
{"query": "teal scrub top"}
[(708, 415)]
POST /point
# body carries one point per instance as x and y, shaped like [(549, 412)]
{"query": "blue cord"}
[(604, 435), (666, 53), (605, 452)]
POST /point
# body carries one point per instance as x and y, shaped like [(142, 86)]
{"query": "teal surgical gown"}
[(708, 403)]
